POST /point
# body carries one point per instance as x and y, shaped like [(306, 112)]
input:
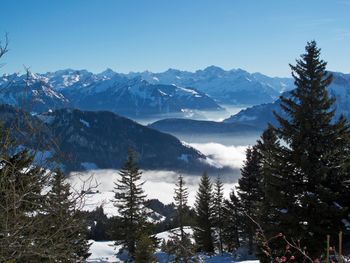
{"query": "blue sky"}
[(130, 35)]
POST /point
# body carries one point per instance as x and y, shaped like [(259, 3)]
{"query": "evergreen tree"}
[(130, 201), (144, 250), (232, 222), (65, 222), (36, 225), (272, 165), (21, 198), (203, 233), (181, 196), (99, 224), (218, 210), (180, 246), (250, 192), (315, 155)]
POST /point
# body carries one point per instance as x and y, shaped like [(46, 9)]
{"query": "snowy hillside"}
[(233, 87), (133, 97), (30, 92)]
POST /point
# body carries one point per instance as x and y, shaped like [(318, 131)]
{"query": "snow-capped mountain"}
[(132, 97), (235, 87), (260, 115), (136, 97), (31, 92)]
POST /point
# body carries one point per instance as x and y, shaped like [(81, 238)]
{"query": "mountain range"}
[(161, 94), (79, 140), (233, 87), (260, 115), (142, 94), (255, 118)]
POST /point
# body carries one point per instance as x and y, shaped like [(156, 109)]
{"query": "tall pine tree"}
[(65, 222), (232, 222), (250, 192), (313, 155), (218, 211), (180, 244), (130, 201), (181, 197), (203, 232)]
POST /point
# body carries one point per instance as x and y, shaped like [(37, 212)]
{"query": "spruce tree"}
[(21, 198), (181, 197), (250, 192), (130, 201), (36, 225), (65, 222), (218, 210), (203, 233), (313, 155), (232, 225), (180, 246), (144, 250), (272, 165)]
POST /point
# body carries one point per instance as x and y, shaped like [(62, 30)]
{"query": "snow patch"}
[(103, 252), (85, 123)]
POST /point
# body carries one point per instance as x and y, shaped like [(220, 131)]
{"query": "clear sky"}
[(130, 35)]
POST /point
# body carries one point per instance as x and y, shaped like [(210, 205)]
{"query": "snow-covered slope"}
[(132, 97), (136, 97), (233, 87), (30, 92)]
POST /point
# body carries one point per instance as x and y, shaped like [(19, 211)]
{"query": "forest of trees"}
[(293, 192)]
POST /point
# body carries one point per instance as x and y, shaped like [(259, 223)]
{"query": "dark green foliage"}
[(99, 224), (144, 251), (218, 212), (130, 201), (180, 197), (250, 192), (36, 225), (179, 247), (21, 201), (313, 159), (232, 222), (64, 222), (272, 164), (203, 232)]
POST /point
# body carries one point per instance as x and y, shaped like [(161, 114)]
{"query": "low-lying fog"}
[(227, 111), (225, 151), (161, 184), (158, 184)]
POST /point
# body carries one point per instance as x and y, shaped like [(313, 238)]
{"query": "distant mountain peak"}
[(213, 69)]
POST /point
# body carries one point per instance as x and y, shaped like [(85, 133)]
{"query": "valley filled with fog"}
[(223, 151)]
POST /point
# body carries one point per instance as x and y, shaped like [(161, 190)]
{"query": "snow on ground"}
[(166, 234), (105, 252), (104, 199), (102, 251)]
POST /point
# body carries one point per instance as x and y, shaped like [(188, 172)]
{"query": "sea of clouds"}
[(160, 184)]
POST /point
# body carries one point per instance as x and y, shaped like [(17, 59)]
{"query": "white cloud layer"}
[(226, 156), (158, 184), (161, 184)]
